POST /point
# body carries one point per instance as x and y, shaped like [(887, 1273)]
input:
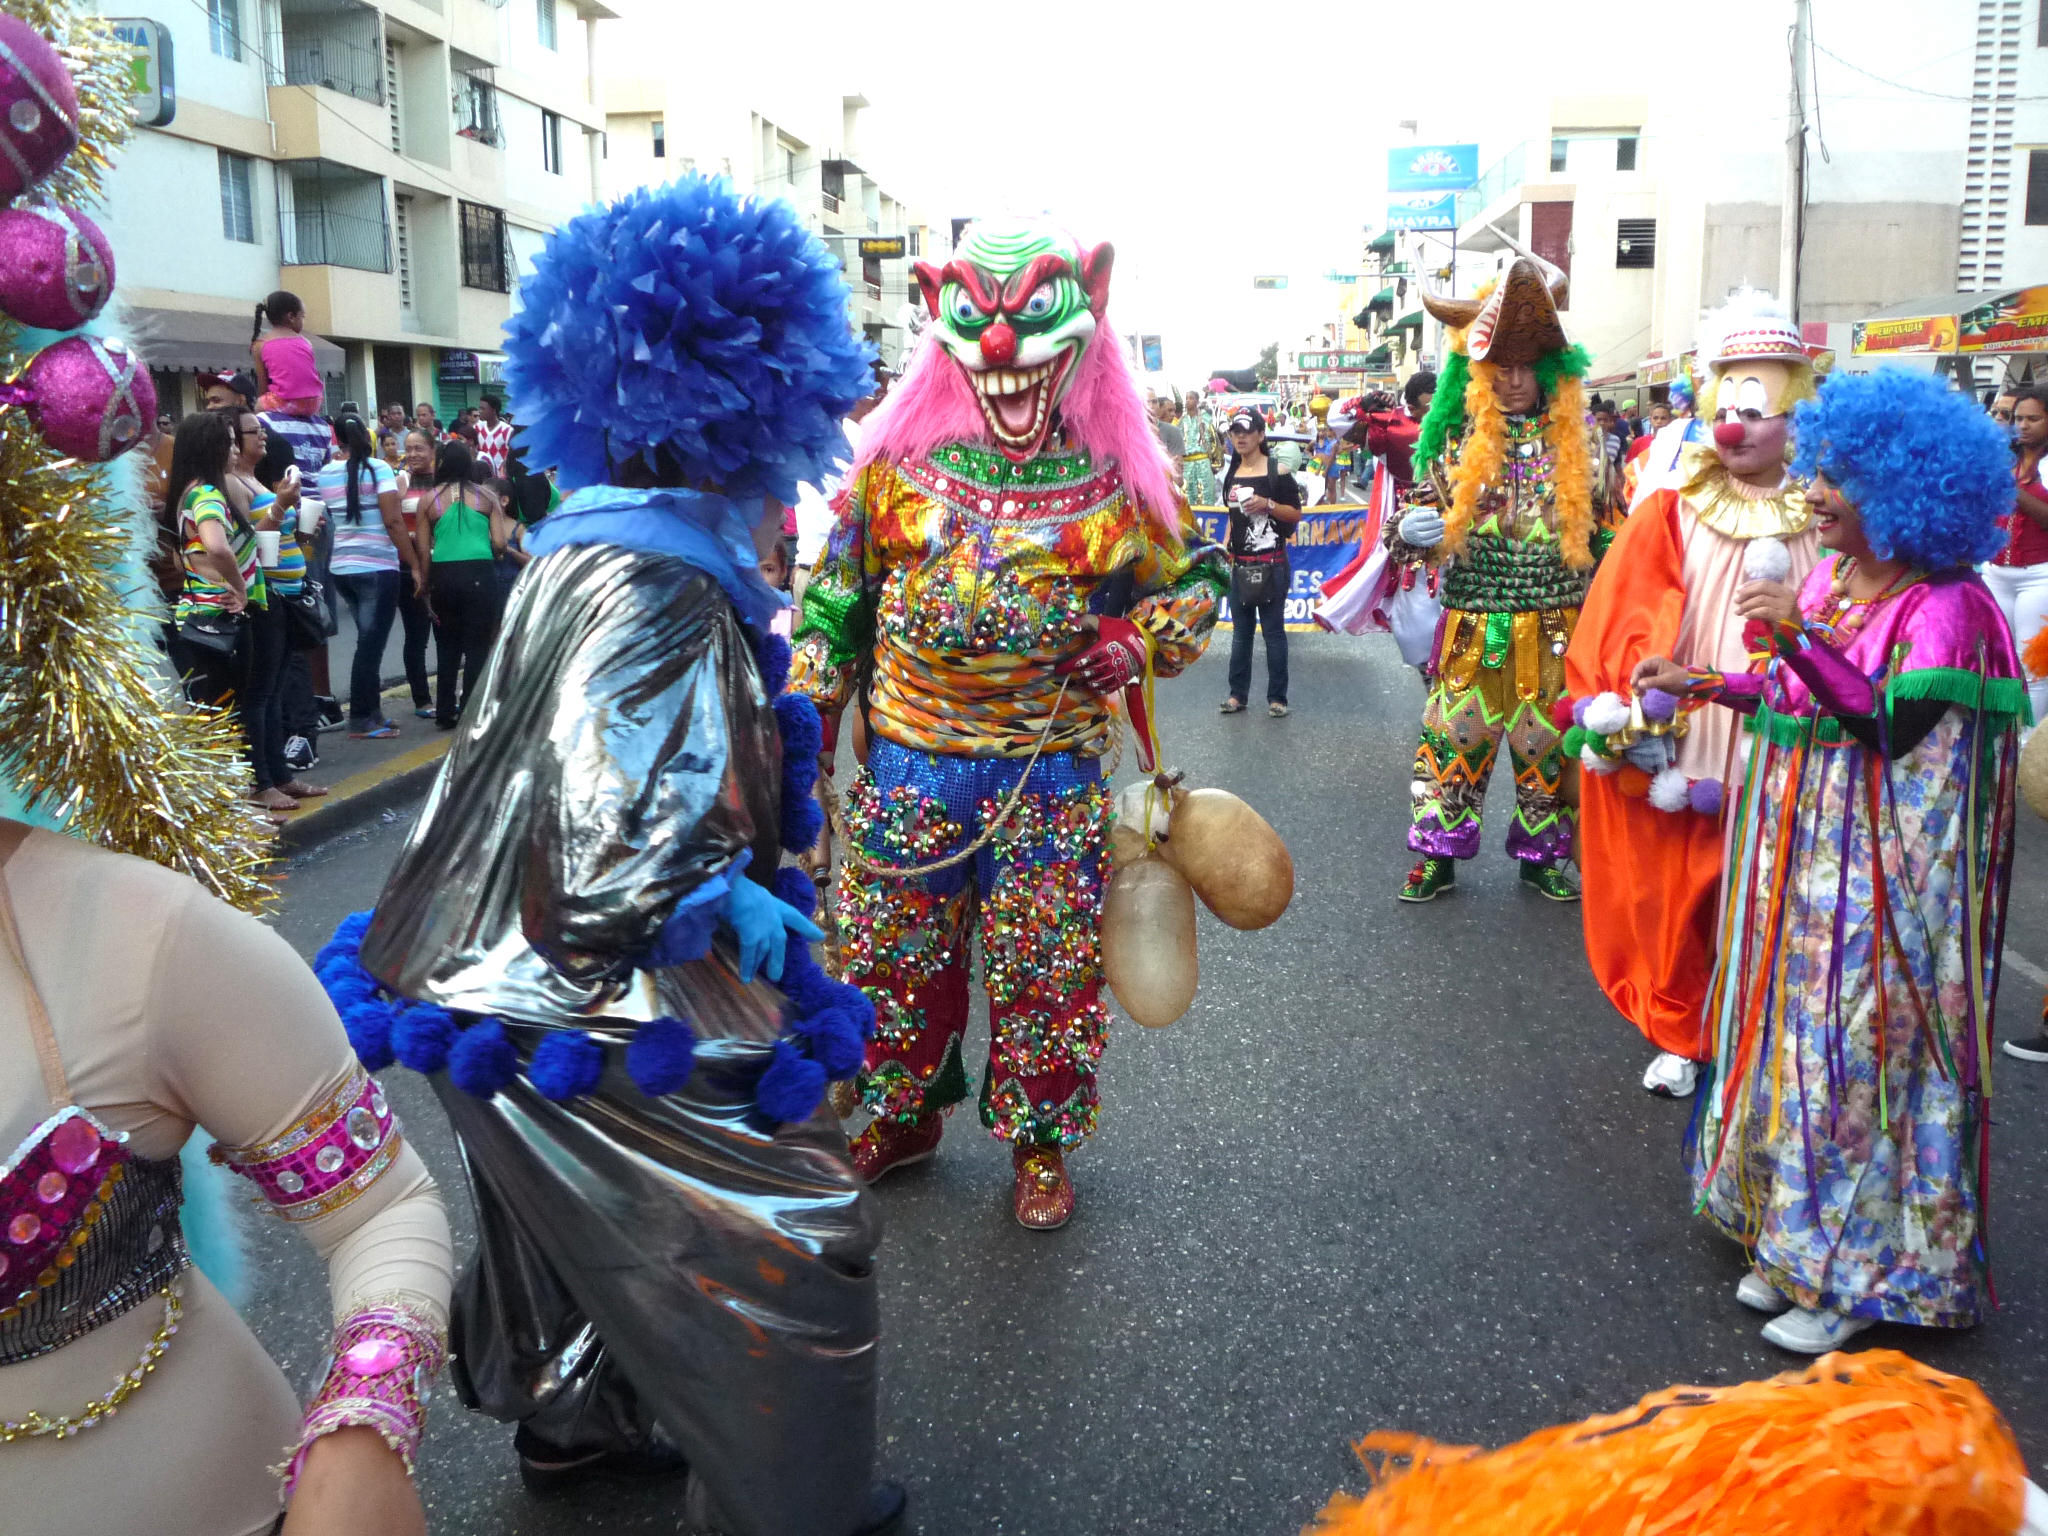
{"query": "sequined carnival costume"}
[(1009, 553), (1510, 514)]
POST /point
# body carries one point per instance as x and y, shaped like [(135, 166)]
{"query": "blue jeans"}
[(372, 598)]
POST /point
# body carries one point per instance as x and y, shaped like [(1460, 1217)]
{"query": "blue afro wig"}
[(1928, 471), (698, 332)]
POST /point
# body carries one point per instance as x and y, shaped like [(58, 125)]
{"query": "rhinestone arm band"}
[(335, 1152), (384, 1358)]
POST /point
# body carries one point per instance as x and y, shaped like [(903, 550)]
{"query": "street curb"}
[(363, 797)]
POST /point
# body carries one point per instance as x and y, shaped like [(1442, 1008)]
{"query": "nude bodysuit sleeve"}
[(242, 1040)]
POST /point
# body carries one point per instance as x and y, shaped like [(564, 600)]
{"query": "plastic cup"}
[(311, 510), (266, 547)]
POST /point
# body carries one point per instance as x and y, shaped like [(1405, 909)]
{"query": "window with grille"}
[(660, 139), (1635, 243), (546, 16), (2037, 186), (476, 109), (1625, 154), (483, 249), (551, 143), (224, 27), (237, 202)]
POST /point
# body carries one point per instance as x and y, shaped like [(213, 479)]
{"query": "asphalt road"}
[(1393, 1170)]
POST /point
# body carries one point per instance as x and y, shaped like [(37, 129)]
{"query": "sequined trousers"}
[(1033, 896), (1497, 676)]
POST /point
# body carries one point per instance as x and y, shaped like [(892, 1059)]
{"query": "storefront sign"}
[(1432, 168), (1330, 362), (1439, 212), (2012, 322), (153, 79), (459, 367), (875, 247), (1922, 333)]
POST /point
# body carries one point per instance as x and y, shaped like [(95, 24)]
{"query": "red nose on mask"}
[(999, 344), (1730, 434)]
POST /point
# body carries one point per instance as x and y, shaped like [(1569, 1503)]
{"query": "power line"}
[(1915, 90)]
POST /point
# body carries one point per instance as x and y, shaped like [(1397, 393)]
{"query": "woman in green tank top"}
[(460, 530)]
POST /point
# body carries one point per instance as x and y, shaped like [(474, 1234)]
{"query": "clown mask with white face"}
[(1752, 420)]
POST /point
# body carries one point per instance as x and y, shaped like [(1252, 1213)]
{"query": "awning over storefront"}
[(185, 339), (1383, 243), (1378, 358), (1412, 321), (1384, 299)]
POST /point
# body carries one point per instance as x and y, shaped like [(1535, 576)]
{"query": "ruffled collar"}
[(1733, 509), (710, 532)]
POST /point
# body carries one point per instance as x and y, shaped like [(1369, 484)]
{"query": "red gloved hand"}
[(1115, 659)]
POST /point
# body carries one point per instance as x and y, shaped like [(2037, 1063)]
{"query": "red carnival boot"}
[(1044, 1195), (887, 1144)]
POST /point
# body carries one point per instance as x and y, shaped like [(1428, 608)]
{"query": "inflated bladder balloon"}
[(1148, 941), (1234, 860), (2034, 772)]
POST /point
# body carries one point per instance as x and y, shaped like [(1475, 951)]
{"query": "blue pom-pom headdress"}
[(690, 322), (1927, 471)]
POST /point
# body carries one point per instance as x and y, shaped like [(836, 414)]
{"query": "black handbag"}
[(219, 633), (1254, 582), (307, 621)]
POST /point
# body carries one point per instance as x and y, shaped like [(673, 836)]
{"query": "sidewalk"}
[(366, 778)]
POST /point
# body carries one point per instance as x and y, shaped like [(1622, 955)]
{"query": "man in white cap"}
[(1651, 858)]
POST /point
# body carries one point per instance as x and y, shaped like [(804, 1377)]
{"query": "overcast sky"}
[(1210, 143)]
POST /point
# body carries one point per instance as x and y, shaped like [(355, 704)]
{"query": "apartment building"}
[(776, 135), (395, 164)]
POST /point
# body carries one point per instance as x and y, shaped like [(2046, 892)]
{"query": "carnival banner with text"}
[(1327, 539)]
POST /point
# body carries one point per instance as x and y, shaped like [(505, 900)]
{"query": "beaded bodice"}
[(87, 1230)]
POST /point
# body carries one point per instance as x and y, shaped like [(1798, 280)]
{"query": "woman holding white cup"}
[(266, 632)]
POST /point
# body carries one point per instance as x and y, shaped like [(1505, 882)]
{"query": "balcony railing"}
[(1506, 173), (829, 203), (321, 237)]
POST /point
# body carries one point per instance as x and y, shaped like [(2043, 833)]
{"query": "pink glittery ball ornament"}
[(56, 267), (38, 108), (90, 397)]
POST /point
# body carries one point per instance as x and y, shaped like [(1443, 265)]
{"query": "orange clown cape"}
[(1649, 877)]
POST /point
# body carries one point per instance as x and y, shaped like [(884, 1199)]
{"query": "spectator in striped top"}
[(265, 628), (493, 435), (372, 555)]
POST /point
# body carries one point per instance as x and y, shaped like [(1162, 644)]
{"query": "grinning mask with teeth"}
[(1015, 308)]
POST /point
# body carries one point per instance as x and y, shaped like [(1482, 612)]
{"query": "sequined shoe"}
[(1550, 880), (888, 1144), (1429, 879), (1044, 1195)]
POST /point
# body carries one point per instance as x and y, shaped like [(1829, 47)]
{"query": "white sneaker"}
[(1759, 1295), (1813, 1333), (1671, 1076)]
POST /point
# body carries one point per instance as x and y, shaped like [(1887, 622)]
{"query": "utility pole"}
[(1792, 220)]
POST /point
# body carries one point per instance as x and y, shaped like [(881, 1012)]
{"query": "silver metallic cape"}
[(670, 1270)]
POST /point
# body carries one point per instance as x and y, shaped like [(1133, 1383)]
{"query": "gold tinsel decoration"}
[(92, 730)]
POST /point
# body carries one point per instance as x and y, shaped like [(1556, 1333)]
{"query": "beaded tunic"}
[(969, 577)]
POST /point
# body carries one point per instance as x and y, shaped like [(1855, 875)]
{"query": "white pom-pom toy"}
[(1595, 763), (1766, 559), (1606, 713), (1669, 791)]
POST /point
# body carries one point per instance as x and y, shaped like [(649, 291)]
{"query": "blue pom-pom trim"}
[(661, 1055), (565, 1065), (369, 1036), (802, 820), (803, 733), (792, 1086), (422, 1036), (794, 888), (482, 1061), (773, 655)]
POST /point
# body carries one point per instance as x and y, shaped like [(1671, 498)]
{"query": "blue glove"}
[(1422, 527), (760, 921)]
